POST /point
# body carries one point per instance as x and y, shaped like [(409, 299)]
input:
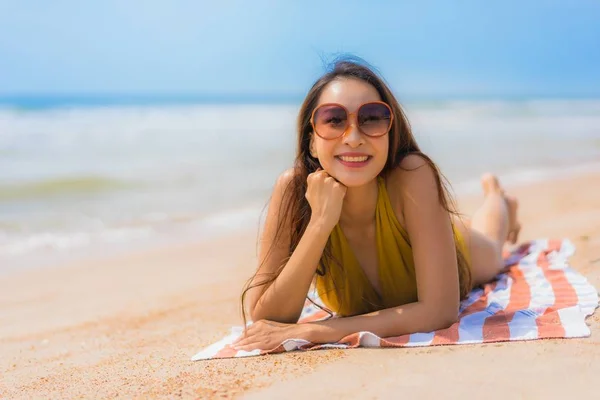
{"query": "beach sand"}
[(126, 326)]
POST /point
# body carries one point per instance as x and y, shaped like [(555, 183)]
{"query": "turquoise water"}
[(77, 175)]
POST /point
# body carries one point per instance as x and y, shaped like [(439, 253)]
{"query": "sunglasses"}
[(332, 120)]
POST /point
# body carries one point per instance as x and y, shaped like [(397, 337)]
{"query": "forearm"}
[(284, 299), (409, 318)]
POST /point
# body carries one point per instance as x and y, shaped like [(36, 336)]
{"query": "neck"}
[(359, 205)]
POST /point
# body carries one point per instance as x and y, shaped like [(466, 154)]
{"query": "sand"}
[(126, 326)]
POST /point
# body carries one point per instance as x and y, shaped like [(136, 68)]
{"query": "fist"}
[(325, 196)]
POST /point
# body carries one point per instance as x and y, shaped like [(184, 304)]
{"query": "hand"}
[(267, 335), (325, 196)]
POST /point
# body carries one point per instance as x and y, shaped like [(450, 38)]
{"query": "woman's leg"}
[(494, 223)]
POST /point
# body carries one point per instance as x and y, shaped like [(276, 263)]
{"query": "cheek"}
[(325, 150), (382, 146)]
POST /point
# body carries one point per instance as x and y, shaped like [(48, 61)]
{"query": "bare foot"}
[(490, 185)]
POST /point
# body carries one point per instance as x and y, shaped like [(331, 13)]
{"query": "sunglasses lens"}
[(330, 121), (374, 119)]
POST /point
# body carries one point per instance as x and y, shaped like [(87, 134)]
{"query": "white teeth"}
[(354, 159)]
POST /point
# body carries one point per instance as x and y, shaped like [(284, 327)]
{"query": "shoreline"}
[(128, 325), (238, 220)]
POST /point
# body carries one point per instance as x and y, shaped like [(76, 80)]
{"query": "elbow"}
[(442, 318), (441, 323), (448, 317), (282, 313), (448, 320)]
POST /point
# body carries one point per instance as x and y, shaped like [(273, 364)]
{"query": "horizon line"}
[(54, 100)]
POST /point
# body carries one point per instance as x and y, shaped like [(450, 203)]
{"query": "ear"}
[(312, 147)]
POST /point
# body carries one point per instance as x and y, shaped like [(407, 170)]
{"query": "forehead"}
[(349, 92)]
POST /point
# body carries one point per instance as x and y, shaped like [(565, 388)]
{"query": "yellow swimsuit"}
[(396, 267)]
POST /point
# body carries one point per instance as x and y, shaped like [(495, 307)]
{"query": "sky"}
[(426, 48)]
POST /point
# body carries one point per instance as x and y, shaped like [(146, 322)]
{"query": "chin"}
[(356, 180)]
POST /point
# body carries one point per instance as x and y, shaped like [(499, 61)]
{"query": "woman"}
[(364, 216)]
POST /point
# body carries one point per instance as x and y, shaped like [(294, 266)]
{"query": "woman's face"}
[(340, 157)]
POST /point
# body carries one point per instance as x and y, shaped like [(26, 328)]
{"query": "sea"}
[(92, 176)]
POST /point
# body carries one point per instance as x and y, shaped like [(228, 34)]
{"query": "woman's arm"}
[(268, 335), (408, 318), (432, 240), (283, 299)]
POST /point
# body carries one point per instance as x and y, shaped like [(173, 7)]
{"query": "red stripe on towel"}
[(226, 352), (549, 324), (395, 341), (554, 245), (352, 340), (495, 327)]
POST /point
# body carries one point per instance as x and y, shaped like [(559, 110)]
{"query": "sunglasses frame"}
[(312, 119)]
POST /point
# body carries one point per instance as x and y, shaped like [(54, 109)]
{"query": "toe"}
[(490, 184)]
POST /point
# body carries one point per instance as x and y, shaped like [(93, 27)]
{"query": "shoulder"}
[(285, 186), (285, 178), (415, 176), (279, 203)]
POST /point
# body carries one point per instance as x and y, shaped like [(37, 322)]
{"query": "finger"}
[(239, 338), (244, 334), (248, 347), (242, 342), (243, 337), (312, 176)]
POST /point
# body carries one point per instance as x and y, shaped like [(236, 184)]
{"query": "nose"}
[(353, 137)]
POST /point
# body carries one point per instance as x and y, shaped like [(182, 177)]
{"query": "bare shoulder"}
[(413, 169), (276, 233), (413, 180), (283, 192), (286, 176), (283, 181)]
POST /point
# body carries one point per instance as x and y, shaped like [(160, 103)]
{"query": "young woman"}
[(365, 217)]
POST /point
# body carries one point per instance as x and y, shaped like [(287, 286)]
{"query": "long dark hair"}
[(295, 210)]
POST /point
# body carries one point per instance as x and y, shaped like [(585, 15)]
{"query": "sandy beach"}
[(126, 327)]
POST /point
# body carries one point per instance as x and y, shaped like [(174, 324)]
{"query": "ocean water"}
[(80, 179)]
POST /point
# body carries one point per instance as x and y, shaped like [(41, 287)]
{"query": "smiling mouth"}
[(355, 159)]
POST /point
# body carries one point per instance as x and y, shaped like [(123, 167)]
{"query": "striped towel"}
[(539, 296)]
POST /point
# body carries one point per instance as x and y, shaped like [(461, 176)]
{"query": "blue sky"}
[(423, 48)]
